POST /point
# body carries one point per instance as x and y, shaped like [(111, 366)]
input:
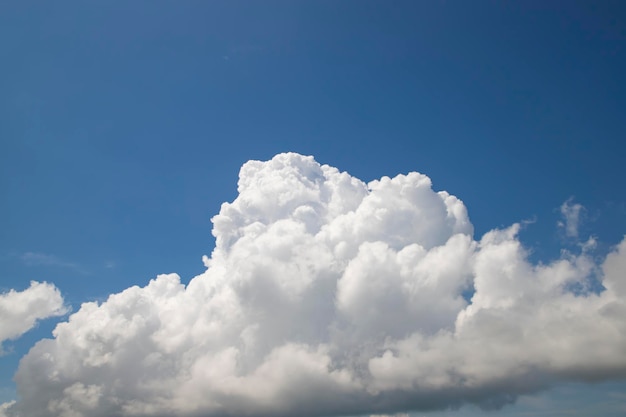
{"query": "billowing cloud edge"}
[(21, 310), (328, 296)]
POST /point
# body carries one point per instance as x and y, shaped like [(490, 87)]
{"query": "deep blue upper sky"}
[(123, 124)]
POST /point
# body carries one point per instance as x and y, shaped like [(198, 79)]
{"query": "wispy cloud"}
[(44, 259), (572, 216)]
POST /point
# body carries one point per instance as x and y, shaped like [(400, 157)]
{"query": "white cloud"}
[(20, 310), (328, 296), (571, 218), (4, 407)]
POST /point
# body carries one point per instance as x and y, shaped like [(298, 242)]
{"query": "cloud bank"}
[(20, 310), (328, 296)]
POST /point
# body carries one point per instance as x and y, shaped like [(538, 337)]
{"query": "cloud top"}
[(328, 296)]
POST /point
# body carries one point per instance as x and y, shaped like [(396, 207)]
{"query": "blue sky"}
[(123, 126)]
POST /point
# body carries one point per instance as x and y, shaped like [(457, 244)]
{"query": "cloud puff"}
[(328, 296), (20, 310), (4, 407), (571, 218)]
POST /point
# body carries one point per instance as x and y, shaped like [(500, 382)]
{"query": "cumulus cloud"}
[(328, 296), (20, 310)]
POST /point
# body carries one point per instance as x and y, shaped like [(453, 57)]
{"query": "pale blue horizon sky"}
[(123, 124)]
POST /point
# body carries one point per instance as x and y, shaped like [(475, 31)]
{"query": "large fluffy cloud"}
[(20, 310), (328, 296)]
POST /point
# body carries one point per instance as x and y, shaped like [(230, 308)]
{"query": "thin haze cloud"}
[(572, 217), (37, 258), (328, 296)]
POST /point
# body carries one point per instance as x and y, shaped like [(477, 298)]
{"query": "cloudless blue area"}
[(123, 124)]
